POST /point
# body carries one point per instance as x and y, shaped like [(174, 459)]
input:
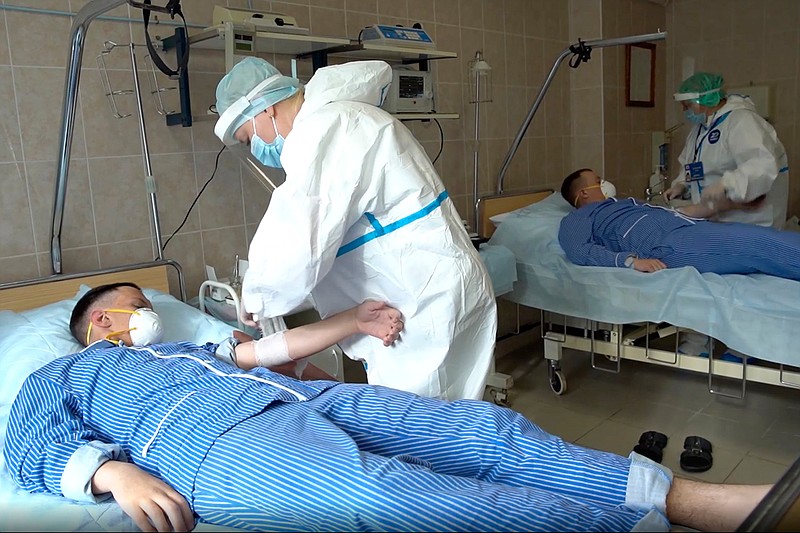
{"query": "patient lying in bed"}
[(624, 233), (172, 432)]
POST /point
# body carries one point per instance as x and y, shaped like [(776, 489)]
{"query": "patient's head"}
[(115, 312), (584, 187)]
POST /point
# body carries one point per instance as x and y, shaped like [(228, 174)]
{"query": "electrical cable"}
[(196, 198), (441, 141)]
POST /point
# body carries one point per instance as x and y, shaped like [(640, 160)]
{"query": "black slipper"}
[(697, 455), (651, 445)]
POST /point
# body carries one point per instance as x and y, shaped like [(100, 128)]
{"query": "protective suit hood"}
[(359, 81), (735, 101)]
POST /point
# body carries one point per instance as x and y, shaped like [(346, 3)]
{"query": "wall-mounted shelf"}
[(367, 50), (236, 40), (241, 40), (424, 116)]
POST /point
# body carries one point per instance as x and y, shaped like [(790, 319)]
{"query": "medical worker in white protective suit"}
[(731, 153), (362, 215)]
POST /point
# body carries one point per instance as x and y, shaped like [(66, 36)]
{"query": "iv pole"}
[(480, 69), (582, 51)]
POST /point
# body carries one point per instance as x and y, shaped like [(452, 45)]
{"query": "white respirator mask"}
[(144, 326), (608, 189)]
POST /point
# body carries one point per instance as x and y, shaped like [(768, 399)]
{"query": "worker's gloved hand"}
[(248, 319), (713, 193), (729, 205), (676, 191)]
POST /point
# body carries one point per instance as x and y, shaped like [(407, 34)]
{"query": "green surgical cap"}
[(704, 88), (241, 80)]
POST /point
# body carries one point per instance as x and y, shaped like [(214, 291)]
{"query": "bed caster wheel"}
[(499, 397), (558, 383)]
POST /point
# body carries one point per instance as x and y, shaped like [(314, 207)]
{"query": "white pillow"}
[(182, 322), (496, 220), (22, 351), (30, 339)]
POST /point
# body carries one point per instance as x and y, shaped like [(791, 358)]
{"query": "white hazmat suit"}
[(363, 215), (747, 156)]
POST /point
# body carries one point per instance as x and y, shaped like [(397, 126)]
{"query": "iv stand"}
[(480, 69), (583, 50), (149, 179)]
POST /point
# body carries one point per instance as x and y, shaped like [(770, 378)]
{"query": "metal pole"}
[(476, 148), (600, 43), (149, 179), (80, 25)]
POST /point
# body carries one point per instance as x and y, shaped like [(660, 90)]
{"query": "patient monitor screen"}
[(411, 86)]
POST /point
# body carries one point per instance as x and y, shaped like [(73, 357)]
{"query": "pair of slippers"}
[(696, 455)]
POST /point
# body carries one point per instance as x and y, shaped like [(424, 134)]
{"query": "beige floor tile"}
[(744, 411), (787, 421), (738, 437), (614, 437), (777, 447), (656, 416), (753, 470)]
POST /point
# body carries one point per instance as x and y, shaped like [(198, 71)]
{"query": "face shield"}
[(268, 177), (701, 88), (251, 86)]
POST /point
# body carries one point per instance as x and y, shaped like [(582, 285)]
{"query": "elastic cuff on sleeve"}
[(737, 194), (648, 484), (76, 480)]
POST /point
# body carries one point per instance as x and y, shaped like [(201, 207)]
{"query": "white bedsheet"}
[(28, 341), (755, 314)]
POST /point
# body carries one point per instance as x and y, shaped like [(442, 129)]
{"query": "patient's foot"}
[(379, 320)]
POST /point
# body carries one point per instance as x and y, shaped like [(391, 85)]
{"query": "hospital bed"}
[(34, 329), (616, 313)]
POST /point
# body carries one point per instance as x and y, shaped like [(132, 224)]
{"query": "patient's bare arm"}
[(370, 318)]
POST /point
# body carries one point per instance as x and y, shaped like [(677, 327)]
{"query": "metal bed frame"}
[(617, 344)]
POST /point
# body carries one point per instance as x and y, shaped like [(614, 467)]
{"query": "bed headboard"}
[(489, 206), (53, 289)]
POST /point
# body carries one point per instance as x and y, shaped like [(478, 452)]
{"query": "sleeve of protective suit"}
[(756, 150), (48, 448), (575, 237), (329, 164)]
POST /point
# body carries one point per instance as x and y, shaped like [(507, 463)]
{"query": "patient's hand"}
[(648, 265), (151, 503), (379, 320)]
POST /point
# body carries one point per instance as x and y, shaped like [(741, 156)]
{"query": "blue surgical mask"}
[(268, 153), (695, 118)]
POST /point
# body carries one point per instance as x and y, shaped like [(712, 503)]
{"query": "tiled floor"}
[(754, 440)]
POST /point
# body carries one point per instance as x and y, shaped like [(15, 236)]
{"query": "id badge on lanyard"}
[(694, 174)]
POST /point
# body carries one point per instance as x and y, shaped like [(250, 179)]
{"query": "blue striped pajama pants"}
[(729, 248), (373, 459)]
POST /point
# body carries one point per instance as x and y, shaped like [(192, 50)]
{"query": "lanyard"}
[(698, 148)]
